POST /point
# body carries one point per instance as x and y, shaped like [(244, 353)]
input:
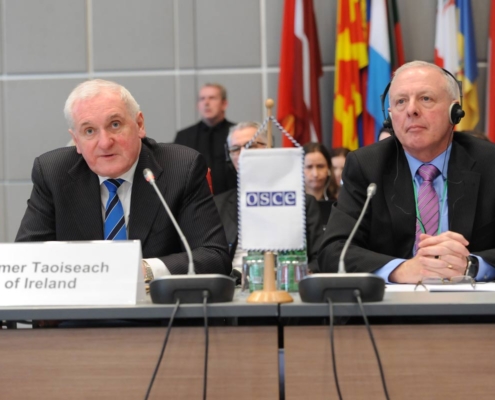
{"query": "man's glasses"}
[(235, 150), (447, 281)]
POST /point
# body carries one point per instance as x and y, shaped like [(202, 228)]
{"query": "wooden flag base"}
[(269, 294)]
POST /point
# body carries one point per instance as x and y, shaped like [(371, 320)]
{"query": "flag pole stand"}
[(269, 294)]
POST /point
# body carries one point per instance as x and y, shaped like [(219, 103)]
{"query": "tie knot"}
[(428, 172), (113, 184)]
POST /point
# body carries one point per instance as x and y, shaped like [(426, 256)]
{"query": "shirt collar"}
[(127, 176), (441, 162)]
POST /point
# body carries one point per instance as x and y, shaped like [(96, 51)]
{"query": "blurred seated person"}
[(319, 178), (476, 134), (238, 137), (339, 155), (385, 133)]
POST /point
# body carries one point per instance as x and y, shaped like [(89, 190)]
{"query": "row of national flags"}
[(369, 48)]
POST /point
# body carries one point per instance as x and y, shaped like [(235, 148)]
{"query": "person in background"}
[(339, 155), (209, 136), (319, 178), (76, 189), (477, 134), (433, 214), (385, 133), (237, 139)]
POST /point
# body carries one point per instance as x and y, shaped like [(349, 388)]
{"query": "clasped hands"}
[(442, 256)]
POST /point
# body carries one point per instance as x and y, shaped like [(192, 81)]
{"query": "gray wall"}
[(162, 50)]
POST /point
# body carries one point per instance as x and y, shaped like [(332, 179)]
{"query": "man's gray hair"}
[(452, 84), (92, 88), (244, 125)]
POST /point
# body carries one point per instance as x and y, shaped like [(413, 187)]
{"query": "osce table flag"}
[(272, 199)]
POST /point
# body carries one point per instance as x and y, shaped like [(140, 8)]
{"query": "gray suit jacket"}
[(65, 204)]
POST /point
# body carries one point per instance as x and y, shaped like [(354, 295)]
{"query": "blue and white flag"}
[(379, 68)]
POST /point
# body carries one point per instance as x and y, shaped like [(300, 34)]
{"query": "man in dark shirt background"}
[(210, 135)]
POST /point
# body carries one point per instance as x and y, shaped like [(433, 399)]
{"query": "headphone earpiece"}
[(456, 113), (387, 123)]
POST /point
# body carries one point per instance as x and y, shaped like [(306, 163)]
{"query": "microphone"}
[(188, 288), (370, 192), (341, 287)]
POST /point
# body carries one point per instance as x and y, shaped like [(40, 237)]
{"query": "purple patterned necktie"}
[(427, 202)]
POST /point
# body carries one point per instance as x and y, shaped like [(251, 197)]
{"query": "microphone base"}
[(340, 288), (190, 289)]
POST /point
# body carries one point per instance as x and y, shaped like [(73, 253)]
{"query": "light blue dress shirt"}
[(486, 271)]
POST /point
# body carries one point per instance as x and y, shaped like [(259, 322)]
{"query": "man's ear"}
[(140, 124), (75, 140)]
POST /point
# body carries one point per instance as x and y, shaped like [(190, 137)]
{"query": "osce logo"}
[(270, 199)]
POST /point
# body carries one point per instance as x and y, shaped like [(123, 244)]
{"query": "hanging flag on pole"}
[(397, 57), (379, 61), (350, 57), (446, 54), (455, 51), (300, 69), (490, 90), (468, 69)]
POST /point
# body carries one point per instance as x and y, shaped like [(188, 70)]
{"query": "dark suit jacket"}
[(388, 228), (223, 174), (65, 204), (227, 207)]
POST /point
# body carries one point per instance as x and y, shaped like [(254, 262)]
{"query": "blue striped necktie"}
[(114, 214)]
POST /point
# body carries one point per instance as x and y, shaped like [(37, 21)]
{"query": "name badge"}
[(71, 273)]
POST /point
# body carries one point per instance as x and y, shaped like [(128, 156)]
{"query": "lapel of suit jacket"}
[(144, 200), (231, 230), (83, 198), (463, 188), (399, 196)]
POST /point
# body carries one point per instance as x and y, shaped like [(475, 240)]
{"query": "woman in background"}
[(338, 161), (319, 177)]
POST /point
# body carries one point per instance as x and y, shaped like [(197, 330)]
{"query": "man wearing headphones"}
[(433, 215)]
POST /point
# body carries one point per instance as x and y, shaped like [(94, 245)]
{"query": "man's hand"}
[(443, 256)]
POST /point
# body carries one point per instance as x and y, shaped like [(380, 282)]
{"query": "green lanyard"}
[(442, 202)]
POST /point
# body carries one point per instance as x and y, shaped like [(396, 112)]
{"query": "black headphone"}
[(456, 113)]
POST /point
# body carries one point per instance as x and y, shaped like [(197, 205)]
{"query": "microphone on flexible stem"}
[(188, 288), (341, 287)]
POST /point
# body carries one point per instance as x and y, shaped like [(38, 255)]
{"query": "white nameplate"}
[(71, 273)]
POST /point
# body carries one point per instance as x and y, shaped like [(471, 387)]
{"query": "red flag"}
[(351, 57), (300, 70), (490, 92)]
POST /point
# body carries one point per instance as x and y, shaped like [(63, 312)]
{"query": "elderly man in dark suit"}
[(208, 136), (433, 215), (78, 189)]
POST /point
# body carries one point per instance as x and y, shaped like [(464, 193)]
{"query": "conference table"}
[(432, 346)]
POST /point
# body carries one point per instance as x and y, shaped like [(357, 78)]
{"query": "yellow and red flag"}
[(351, 56), (300, 69)]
